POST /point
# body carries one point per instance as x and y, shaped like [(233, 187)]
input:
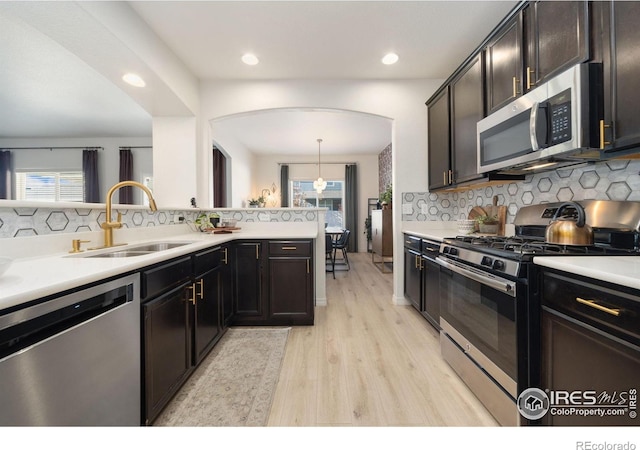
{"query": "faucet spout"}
[(108, 225)]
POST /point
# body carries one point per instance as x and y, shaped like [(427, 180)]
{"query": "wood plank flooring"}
[(367, 362)]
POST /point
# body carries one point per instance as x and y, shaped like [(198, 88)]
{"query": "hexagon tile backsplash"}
[(17, 222), (611, 180)]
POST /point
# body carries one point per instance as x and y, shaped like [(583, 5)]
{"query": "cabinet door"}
[(226, 286), (376, 231), (207, 320), (247, 280), (431, 291), (557, 38), (412, 278), (167, 349), (467, 108), (439, 141), (577, 358), (504, 65), (621, 80), (290, 291)]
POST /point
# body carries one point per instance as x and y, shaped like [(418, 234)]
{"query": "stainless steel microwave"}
[(557, 123)]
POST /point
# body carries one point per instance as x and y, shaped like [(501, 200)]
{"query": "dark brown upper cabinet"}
[(620, 33), (556, 38), (467, 108), (503, 59), (439, 141)]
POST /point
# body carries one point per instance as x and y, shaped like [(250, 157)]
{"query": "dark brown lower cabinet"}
[(207, 310), (226, 286), (291, 283), (167, 349), (248, 283)]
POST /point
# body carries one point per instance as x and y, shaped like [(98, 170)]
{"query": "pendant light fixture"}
[(319, 185)]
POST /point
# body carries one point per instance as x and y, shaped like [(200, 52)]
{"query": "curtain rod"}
[(52, 148)]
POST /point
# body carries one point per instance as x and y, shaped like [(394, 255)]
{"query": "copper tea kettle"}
[(566, 230)]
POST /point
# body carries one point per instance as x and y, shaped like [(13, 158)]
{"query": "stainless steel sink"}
[(137, 250)]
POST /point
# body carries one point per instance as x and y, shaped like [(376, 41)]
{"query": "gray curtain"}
[(91, 180), (284, 185), (351, 204), (6, 175), (126, 174), (219, 179)]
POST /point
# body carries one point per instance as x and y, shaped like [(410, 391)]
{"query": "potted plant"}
[(386, 197), (487, 224), (206, 221), (256, 202)]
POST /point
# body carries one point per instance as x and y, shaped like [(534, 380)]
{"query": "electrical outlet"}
[(407, 208), (263, 217)]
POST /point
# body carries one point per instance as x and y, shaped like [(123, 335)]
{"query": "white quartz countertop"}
[(431, 230), (621, 270), (34, 277)]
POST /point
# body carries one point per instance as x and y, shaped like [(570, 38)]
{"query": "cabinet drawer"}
[(163, 277), (289, 248), (412, 242), (207, 260), (607, 307)]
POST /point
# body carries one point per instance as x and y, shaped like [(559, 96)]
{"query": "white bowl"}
[(4, 264)]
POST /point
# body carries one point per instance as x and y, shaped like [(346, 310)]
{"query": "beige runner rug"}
[(235, 383)]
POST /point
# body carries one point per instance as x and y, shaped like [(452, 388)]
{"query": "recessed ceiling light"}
[(390, 58), (134, 80), (249, 59)]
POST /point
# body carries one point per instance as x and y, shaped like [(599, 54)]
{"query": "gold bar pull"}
[(257, 251), (450, 176), (225, 260), (515, 87), (529, 82), (602, 141), (293, 247), (201, 293), (594, 304), (308, 267), (415, 263), (192, 295), (444, 177)]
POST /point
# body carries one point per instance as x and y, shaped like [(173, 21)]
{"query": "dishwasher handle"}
[(16, 335)]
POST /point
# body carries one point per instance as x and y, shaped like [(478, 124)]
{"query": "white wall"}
[(403, 101), (267, 172), (71, 158), (174, 161)]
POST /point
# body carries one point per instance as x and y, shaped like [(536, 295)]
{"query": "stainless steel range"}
[(490, 296)]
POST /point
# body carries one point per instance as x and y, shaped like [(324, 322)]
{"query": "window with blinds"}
[(50, 186)]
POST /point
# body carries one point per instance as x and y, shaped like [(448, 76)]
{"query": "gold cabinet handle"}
[(450, 176), (529, 81), (444, 177), (308, 266), (225, 260), (192, 294), (201, 293), (515, 86), (257, 251), (602, 141), (596, 305), (415, 262), (293, 247)]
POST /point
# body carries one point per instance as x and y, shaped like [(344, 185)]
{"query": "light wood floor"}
[(367, 362)]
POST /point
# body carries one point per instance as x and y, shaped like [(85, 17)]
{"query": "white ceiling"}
[(49, 93)]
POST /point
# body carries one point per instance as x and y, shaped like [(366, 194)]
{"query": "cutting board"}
[(500, 212)]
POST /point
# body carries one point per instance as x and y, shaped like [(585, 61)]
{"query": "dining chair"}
[(341, 244), (329, 254)]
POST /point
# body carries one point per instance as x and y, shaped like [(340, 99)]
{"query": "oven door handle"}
[(505, 286)]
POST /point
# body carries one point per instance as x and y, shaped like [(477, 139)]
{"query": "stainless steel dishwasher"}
[(73, 360)]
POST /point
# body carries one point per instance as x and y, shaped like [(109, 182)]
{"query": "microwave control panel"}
[(560, 117)]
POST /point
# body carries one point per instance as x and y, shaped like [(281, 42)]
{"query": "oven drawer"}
[(605, 306)]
